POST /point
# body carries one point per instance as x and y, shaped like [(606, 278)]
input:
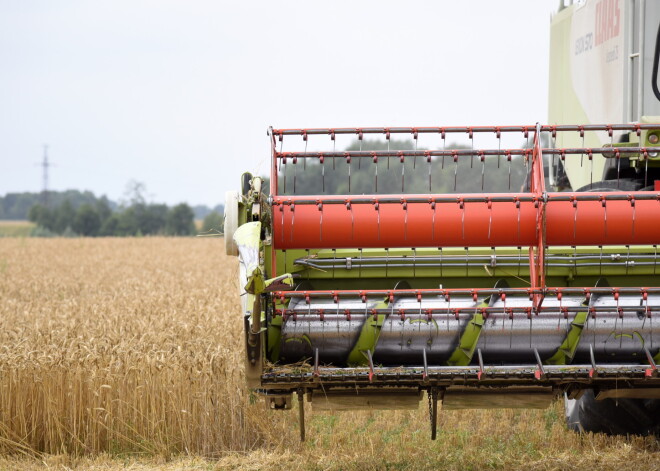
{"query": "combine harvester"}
[(476, 299)]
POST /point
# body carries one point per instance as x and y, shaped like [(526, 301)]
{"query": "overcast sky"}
[(179, 94)]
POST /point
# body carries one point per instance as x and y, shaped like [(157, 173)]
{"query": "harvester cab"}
[(484, 275)]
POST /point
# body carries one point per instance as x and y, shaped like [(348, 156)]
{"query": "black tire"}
[(624, 184), (613, 416)]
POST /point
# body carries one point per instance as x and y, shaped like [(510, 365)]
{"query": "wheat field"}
[(127, 354)]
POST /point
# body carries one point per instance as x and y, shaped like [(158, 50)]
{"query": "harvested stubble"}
[(123, 346)]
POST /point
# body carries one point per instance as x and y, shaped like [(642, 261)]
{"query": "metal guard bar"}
[(461, 129), (375, 154), (284, 377), (473, 292)]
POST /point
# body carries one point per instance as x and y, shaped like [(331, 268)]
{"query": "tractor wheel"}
[(613, 416), (624, 184)]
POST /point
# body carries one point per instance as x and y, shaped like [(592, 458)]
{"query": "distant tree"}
[(42, 216), (17, 205), (64, 216), (127, 222), (180, 220), (103, 208), (151, 218), (213, 222), (87, 221), (110, 226), (135, 193)]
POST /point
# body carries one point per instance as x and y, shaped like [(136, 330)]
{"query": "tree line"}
[(94, 217)]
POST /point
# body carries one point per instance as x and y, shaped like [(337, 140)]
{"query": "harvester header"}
[(365, 294)]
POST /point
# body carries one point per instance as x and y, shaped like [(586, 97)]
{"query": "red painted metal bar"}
[(466, 220), (475, 293), (536, 295), (589, 151), (463, 129), (537, 251)]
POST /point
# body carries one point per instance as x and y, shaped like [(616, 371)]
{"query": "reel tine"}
[(518, 207), (581, 131), (377, 207), (405, 220), (490, 215), (634, 210), (360, 136), (349, 206), (441, 264), (284, 173), (591, 172), (375, 161), (348, 161), (618, 169), (321, 160), (360, 276), (498, 134), (334, 267), (471, 147), (403, 173), (428, 159), (415, 136), (462, 206), (415, 273), (304, 136), (483, 169), (604, 204), (295, 161), (334, 147), (387, 137), (575, 205), (320, 207), (433, 206), (508, 158), (455, 168), (444, 148)]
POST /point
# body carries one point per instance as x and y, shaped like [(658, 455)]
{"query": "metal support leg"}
[(433, 411), (301, 414)]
